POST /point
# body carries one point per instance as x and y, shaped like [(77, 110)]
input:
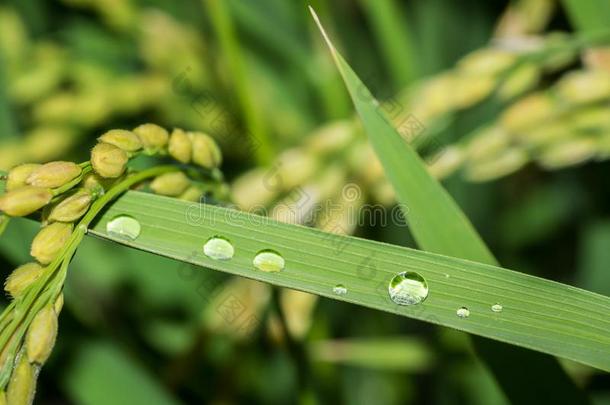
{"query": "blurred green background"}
[(255, 75)]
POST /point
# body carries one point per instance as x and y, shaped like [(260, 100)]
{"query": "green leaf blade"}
[(538, 314), (438, 225), (407, 172)]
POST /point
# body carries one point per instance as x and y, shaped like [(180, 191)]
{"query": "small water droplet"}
[(408, 288), (218, 248), (124, 227), (340, 289), (497, 308), (463, 312), (269, 261)]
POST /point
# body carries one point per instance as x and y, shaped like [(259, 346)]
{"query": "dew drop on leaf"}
[(408, 288), (269, 261), (497, 308), (463, 312), (340, 289), (124, 227), (218, 248)]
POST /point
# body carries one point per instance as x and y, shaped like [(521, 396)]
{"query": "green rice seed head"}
[(47, 143), (522, 79), (8, 354), (585, 86), (508, 161), (54, 174), (25, 200), (446, 162), (331, 138), (22, 385), (96, 183), (192, 194), (251, 190), (40, 338), (294, 167), (21, 278), (180, 146), (528, 112), (206, 152), (568, 153), (170, 184), (436, 96), (470, 89), (49, 241), (108, 161), (59, 303), (72, 207), (597, 58), (18, 175), (487, 61), (152, 136), (121, 138), (487, 142)]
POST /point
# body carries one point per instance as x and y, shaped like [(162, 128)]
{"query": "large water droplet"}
[(497, 308), (124, 227), (463, 312), (340, 289), (408, 288), (218, 248), (269, 261)]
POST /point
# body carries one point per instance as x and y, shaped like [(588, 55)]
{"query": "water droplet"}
[(408, 288), (218, 248), (269, 261), (497, 308), (340, 289), (124, 227), (463, 312)]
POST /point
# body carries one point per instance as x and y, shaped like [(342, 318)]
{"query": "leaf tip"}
[(322, 30)]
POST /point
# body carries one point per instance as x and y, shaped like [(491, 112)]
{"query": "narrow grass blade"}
[(537, 313), (588, 15), (438, 225), (222, 24), (427, 204), (390, 28)]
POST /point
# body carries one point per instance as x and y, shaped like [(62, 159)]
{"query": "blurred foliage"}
[(504, 100)]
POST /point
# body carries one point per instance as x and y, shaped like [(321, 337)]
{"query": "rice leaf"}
[(223, 27), (588, 15), (438, 225), (537, 313)]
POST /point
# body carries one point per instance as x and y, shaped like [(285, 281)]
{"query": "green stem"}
[(225, 31)]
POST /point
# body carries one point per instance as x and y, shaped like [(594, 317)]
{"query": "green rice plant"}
[(453, 292), (69, 197), (365, 268), (454, 282), (438, 225)]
